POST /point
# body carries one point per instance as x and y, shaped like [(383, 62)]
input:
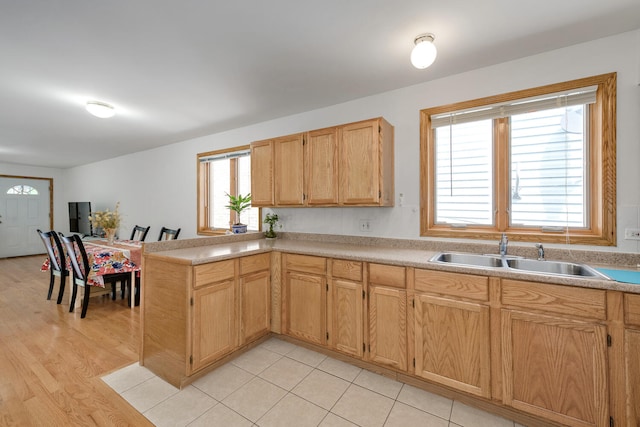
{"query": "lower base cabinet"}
[(305, 298), (544, 348), (214, 323), (195, 315), (346, 317), (255, 296), (554, 352), (388, 316), (452, 343)]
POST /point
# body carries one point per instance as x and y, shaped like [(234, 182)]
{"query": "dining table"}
[(121, 256)]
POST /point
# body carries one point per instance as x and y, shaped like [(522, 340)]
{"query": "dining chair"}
[(168, 234), (57, 262), (139, 233), (80, 266)]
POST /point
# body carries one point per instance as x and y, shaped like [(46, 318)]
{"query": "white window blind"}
[(559, 99), (225, 156)]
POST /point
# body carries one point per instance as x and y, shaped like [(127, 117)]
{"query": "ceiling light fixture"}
[(100, 109), (424, 52)]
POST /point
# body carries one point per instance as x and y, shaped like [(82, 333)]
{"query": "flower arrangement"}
[(107, 219)]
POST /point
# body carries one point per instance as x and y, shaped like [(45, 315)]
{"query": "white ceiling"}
[(176, 70)]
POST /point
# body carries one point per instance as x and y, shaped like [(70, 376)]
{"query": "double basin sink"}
[(556, 268)]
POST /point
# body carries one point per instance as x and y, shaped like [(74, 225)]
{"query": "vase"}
[(239, 228), (110, 233)]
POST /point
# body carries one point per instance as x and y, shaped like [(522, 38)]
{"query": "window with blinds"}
[(222, 173), (524, 164)]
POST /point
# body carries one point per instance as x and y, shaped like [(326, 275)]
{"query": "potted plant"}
[(238, 204), (271, 219)]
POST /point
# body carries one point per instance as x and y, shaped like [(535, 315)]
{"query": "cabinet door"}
[(632, 351), (262, 173), (360, 163), (214, 329), (555, 368), (322, 167), (388, 326), (289, 170), (306, 299), (346, 322), (452, 341), (256, 305)]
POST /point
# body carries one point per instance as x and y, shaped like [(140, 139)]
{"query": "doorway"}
[(25, 207)]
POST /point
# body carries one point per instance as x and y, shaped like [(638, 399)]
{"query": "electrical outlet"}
[(365, 225), (632, 233)]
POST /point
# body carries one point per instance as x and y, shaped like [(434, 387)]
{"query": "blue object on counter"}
[(625, 276)]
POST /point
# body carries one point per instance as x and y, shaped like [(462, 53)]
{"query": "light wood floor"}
[(51, 361)]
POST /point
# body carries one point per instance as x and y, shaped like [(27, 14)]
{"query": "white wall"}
[(158, 187)]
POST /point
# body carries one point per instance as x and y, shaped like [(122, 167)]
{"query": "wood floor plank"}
[(51, 361)]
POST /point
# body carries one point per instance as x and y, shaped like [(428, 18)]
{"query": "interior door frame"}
[(50, 192)]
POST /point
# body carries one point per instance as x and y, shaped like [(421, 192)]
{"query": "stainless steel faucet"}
[(540, 251), (504, 241)]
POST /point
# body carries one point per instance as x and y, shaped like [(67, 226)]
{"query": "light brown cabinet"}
[(214, 323), (562, 354), (632, 357), (289, 170), (322, 167), (262, 173), (554, 352), (195, 315), (255, 296), (347, 165), (366, 163), (345, 307), (452, 332), (387, 316), (305, 298), (323, 311)]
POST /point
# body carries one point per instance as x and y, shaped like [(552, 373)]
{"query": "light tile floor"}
[(279, 384)]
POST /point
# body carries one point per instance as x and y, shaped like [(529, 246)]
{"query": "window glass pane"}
[(23, 190), (249, 216), (548, 168), (464, 174), (218, 187)]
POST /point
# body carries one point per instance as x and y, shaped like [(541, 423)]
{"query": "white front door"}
[(24, 208)]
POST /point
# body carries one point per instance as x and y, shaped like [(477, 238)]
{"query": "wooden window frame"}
[(602, 173), (204, 178)]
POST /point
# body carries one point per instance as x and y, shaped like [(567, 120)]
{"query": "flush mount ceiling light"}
[(424, 52), (100, 109)]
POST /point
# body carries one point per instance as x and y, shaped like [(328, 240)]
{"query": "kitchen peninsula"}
[(536, 348)]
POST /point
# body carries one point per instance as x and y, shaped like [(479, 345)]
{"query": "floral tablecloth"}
[(105, 259)]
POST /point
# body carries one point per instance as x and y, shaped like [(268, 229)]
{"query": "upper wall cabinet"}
[(262, 173), (348, 165), (322, 167)]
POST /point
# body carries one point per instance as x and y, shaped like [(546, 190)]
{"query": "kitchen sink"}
[(554, 267), (468, 259), (557, 268)]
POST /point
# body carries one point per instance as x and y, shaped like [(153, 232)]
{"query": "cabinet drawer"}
[(213, 272), (344, 269), (252, 263), (632, 309), (388, 275), (453, 284), (306, 263), (570, 301)]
